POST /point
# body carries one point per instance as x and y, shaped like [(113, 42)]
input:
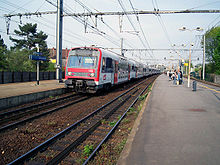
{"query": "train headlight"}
[(69, 73), (92, 74)]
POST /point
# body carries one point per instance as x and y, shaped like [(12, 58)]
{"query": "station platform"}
[(13, 94), (177, 126)]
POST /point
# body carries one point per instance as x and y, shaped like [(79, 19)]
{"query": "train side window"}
[(133, 69), (103, 64), (109, 66), (136, 68)]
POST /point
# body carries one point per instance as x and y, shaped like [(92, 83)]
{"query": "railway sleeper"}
[(99, 134), (103, 129)]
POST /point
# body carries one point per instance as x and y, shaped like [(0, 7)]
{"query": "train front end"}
[(82, 69)]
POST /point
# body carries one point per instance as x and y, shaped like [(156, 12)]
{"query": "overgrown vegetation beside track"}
[(111, 150), (38, 131)]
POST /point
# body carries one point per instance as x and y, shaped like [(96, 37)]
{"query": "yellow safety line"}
[(209, 88)]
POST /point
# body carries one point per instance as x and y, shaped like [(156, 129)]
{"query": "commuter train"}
[(89, 69)]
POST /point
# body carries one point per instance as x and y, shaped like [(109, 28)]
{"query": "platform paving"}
[(16, 89), (178, 126), (14, 94)]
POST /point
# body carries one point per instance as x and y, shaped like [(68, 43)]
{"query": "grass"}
[(111, 150), (51, 123), (88, 149), (125, 120), (51, 97), (29, 131), (118, 148), (112, 123)]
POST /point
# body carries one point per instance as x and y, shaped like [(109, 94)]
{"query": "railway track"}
[(205, 82), (66, 146), (13, 118)]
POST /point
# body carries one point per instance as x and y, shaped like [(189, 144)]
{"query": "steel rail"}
[(34, 106), (58, 158), (11, 115), (51, 140), (12, 125), (114, 127)]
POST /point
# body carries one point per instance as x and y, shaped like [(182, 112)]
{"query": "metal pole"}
[(59, 40), (189, 65), (122, 51), (38, 67), (203, 70)]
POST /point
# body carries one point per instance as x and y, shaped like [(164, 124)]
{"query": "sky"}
[(150, 32)]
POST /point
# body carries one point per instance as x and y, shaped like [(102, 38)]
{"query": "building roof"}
[(53, 53)]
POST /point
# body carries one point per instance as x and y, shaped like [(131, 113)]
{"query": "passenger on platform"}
[(174, 77), (170, 75), (178, 77), (181, 77)]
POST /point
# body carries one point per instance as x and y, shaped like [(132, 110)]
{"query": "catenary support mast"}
[(59, 40)]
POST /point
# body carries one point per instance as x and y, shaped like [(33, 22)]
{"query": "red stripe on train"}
[(81, 70)]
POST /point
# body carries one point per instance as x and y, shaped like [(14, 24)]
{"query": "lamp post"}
[(191, 44), (203, 70), (178, 53)]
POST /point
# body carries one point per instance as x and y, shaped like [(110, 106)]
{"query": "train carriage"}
[(133, 69), (89, 69)]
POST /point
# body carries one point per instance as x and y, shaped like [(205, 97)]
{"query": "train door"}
[(129, 71), (116, 73), (136, 72)]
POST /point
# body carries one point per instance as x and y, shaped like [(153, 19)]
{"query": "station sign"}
[(186, 64), (37, 58), (38, 53)]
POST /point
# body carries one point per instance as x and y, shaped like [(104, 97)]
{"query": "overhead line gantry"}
[(141, 12), (60, 15)]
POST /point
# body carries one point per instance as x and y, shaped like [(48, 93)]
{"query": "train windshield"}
[(77, 61)]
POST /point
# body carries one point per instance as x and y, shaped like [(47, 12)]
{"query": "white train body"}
[(89, 69)]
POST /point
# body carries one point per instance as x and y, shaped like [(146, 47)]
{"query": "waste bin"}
[(194, 86)]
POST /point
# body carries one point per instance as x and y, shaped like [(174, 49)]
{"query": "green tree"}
[(213, 50), (18, 61), (30, 39), (3, 51)]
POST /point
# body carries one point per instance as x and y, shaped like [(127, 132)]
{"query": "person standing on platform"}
[(178, 77), (174, 77), (169, 74), (181, 77)]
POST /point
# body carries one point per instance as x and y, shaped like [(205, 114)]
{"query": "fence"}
[(212, 78), (13, 77)]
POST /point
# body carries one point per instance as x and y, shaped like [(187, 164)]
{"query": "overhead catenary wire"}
[(208, 26), (46, 20), (101, 33), (106, 22), (22, 6), (160, 20), (206, 4), (142, 31), (134, 28), (4, 9), (87, 8), (102, 21)]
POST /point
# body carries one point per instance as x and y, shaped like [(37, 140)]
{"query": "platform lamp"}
[(178, 53), (191, 44)]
